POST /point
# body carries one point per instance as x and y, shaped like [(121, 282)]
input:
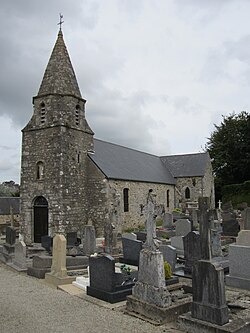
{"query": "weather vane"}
[(61, 21)]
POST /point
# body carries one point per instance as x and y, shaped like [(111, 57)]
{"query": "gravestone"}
[(239, 262), (131, 251), (10, 235), (167, 220), (209, 300), (20, 259), (8, 248), (58, 274), (215, 234), (169, 255), (151, 285), (192, 250), (109, 237), (129, 235), (177, 243), (194, 216), (47, 243), (230, 225), (141, 235), (182, 227), (71, 239), (105, 283), (89, 246), (246, 218), (150, 297)]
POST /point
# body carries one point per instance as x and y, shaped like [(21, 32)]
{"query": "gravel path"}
[(28, 305)]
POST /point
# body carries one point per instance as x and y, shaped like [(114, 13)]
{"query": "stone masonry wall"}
[(199, 187), (63, 152), (106, 200)]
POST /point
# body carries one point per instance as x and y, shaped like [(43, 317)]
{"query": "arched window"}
[(187, 193), (125, 199), (40, 170), (77, 114), (167, 198), (42, 113)]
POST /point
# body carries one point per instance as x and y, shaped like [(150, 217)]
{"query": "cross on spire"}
[(61, 21)]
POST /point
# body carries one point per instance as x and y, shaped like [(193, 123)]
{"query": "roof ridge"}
[(139, 151), (188, 154)]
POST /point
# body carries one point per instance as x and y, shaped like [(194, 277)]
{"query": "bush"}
[(168, 270), (236, 193)]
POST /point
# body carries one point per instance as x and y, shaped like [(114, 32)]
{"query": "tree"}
[(229, 148)]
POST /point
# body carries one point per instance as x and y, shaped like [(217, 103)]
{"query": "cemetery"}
[(195, 285), (177, 262)]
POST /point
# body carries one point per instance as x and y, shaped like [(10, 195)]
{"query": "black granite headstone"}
[(230, 225), (71, 239), (47, 243), (10, 235), (131, 251), (105, 283), (141, 235)]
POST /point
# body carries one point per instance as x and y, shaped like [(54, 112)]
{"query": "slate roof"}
[(7, 202), (188, 165), (118, 162), (59, 76)]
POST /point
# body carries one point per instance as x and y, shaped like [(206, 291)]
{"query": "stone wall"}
[(198, 186), (61, 147), (106, 200)]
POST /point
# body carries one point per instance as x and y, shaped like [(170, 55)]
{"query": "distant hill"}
[(9, 189)]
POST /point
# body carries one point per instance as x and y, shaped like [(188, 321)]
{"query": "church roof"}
[(188, 165), (59, 76), (118, 162), (7, 202)]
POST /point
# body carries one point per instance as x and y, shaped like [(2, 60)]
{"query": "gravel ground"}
[(28, 305)]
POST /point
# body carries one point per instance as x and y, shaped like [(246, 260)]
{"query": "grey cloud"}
[(216, 66), (121, 119)]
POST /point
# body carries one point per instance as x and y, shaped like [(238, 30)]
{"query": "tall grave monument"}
[(209, 300), (150, 296)]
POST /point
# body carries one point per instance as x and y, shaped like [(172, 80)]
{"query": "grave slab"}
[(192, 325)]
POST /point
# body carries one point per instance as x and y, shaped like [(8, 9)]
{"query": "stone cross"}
[(205, 228), (219, 204), (150, 221)]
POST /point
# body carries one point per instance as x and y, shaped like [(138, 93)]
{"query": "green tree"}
[(229, 148)]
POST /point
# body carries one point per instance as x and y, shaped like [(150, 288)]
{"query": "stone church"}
[(69, 178)]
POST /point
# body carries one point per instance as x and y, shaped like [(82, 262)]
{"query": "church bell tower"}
[(55, 143)]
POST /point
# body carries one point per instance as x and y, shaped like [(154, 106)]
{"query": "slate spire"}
[(59, 76)]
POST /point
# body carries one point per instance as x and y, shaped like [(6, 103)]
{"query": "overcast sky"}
[(157, 74)]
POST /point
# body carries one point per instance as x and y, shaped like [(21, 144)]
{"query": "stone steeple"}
[(59, 76), (55, 147)]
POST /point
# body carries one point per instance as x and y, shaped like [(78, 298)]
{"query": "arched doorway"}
[(40, 218)]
